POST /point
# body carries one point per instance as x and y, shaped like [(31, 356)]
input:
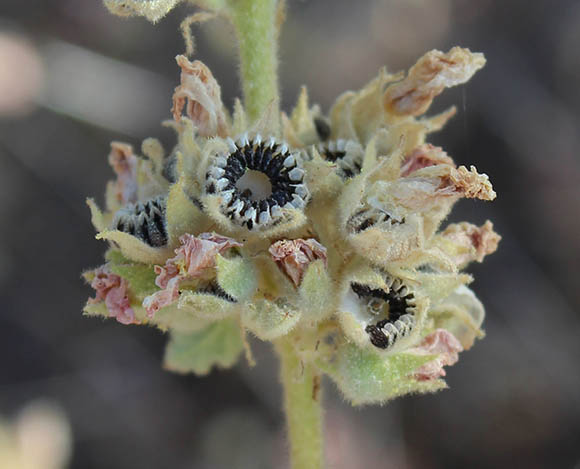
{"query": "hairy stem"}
[(255, 25), (302, 396)]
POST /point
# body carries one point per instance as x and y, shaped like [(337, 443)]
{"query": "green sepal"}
[(183, 216), (96, 309), (367, 378), (316, 292), (141, 278), (193, 311), (100, 310), (219, 344), (236, 276), (183, 320), (267, 320), (135, 249)]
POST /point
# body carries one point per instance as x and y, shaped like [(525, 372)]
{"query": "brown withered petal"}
[(441, 343), (113, 290), (124, 163), (293, 256), (200, 94), (471, 242), (192, 259), (428, 77), (424, 156)]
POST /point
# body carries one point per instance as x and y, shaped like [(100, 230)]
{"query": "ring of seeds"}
[(335, 151), (399, 322), (144, 220), (256, 181)]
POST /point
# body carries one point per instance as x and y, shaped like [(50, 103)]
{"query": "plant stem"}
[(255, 25), (302, 404)]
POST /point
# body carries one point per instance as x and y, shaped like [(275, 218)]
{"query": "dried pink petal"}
[(441, 343), (424, 156), (470, 242), (428, 77), (192, 259), (113, 290), (293, 256), (124, 163), (201, 93)]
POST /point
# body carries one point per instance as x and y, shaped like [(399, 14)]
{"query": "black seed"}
[(211, 188), (250, 224), (280, 197), (232, 174), (266, 159), (377, 337), (275, 165), (333, 155), (262, 206), (257, 159), (322, 128), (348, 173), (365, 224)]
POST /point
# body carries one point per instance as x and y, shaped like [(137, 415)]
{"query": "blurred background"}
[(73, 78)]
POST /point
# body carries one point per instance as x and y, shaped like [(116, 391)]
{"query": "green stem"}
[(302, 396), (255, 25)]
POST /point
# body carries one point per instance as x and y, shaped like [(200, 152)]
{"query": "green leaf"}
[(236, 276), (219, 344), (365, 377), (267, 320)]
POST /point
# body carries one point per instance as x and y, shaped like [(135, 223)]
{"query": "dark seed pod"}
[(345, 154), (256, 180), (144, 220), (399, 318)]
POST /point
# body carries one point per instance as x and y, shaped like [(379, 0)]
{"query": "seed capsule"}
[(144, 220), (400, 312), (256, 180), (347, 155)]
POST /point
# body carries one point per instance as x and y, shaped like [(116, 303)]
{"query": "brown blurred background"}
[(73, 78)]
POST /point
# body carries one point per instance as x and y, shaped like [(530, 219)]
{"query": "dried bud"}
[(428, 77), (113, 290), (293, 256), (465, 242), (201, 92), (124, 163), (441, 343)]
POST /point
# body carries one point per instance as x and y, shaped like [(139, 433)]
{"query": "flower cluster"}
[(320, 229)]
